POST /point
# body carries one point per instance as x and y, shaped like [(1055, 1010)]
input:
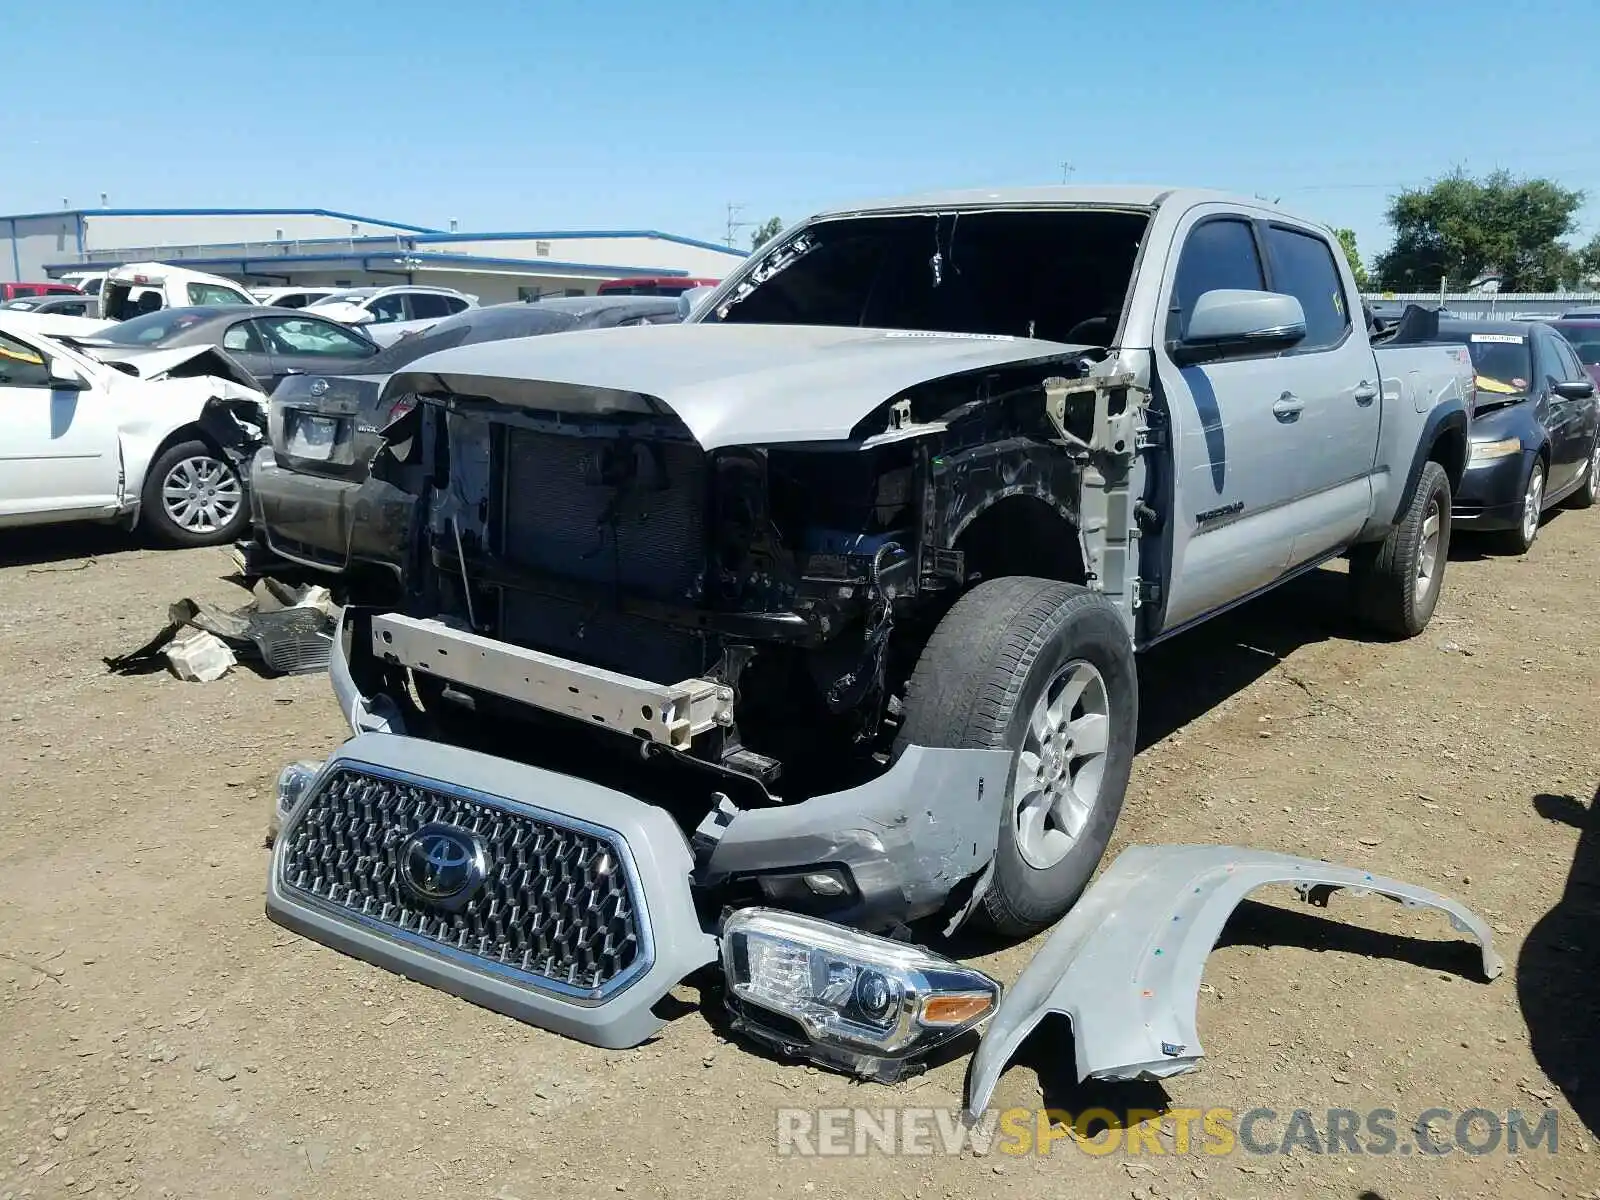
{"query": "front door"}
[(59, 451)]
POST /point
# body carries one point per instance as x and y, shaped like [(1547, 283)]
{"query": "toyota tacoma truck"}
[(751, 638)]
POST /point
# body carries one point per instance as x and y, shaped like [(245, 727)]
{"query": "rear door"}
[(245, 341), (59, 451), (1334, 375)]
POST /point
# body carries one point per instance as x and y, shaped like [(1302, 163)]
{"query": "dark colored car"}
[(63, 304), (271, 343), (1535, 429), (306, 487), (1584, 334)]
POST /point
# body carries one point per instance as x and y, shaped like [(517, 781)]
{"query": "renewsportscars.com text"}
[(1435, 1132)]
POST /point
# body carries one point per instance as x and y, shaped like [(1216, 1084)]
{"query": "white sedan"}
[(155, 442)]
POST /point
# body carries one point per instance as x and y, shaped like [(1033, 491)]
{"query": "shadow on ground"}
[(1186, 677), (45, 544), (1558, 981)]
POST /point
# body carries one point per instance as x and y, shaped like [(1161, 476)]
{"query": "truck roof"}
[(1115, 195)]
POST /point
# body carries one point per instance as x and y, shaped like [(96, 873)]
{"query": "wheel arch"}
[(1021, 533)]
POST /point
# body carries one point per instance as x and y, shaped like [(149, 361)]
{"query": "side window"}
[(21, 365), (243, 335), (1303, 266), (455, 304), (1572, 368), (389, 308), (1548, 364), (425, 304), (307, 335), (1217, 254)]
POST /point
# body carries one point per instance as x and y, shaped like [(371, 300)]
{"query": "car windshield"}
[(1585, 340), (1501, 361), (475, 325), (153, 328), (1058, 275)]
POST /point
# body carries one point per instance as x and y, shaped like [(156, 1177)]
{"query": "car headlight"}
[(845, 999), (293, 781), (1483, 452)]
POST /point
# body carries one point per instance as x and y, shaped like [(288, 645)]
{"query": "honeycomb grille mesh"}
[(555, 903)]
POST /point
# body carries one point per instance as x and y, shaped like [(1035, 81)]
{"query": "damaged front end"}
[(674, 646)]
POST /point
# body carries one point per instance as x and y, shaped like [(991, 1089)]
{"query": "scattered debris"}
[(282, 631)]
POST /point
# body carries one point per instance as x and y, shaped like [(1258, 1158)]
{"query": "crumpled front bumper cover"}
[(1124, 966), (909, 837), (658, 857)]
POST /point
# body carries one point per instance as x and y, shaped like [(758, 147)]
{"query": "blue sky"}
[(637, 113)]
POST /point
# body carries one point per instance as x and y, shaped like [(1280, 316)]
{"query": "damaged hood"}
[(732, 385), (177, 362)]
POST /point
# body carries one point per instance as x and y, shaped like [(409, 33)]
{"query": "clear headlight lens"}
[(1483, 452), (293, 781), (846, 999)]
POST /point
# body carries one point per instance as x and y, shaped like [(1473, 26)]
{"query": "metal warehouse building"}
[(268, 246)]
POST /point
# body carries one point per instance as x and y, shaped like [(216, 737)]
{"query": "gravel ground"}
[(159, 1036)]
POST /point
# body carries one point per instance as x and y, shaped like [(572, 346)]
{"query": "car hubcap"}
[(1594, 467), (1532, 505), (1061, 764), (201, 494), (1428, 560)]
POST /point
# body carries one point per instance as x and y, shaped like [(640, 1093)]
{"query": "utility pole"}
[(734, 224), (1066, 171)]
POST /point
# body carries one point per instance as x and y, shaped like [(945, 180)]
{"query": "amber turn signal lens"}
[(956, 1008)]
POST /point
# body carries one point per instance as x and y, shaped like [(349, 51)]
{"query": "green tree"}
[(765, 232), (1347, 239), (1585, 271), (1460, 228)]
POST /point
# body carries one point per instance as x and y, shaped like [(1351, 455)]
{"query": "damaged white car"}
[(157, 442)]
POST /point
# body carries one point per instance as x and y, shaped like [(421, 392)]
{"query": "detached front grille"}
[(556, 905)]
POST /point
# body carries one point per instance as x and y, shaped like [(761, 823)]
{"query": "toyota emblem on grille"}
[(443, 865), (319, 387)]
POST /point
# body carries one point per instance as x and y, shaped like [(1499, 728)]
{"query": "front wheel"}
[(1520, 540), (1044, 670), (193, 496), (1396, 581)]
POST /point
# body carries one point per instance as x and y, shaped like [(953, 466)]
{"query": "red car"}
[(670, 285), (11, 291), (1584, 334)]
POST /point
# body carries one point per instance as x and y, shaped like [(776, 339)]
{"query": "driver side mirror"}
[(1228, 321), (1574, 389), (64, 377)]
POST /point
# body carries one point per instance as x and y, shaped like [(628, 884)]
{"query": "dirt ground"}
[(158, 1035)]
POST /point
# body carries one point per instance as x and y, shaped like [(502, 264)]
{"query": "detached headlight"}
[(293, 781), (1483, 452), (845, 999)]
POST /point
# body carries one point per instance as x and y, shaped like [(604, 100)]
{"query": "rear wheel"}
[(1396, 581), (1044, 670), (193, 496), (1520, 540)]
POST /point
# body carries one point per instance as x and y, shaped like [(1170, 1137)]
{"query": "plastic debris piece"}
[(199, 657)]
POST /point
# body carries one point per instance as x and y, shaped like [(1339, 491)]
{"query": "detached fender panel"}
[(1124, 966)]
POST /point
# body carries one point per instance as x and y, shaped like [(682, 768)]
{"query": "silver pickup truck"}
[(817, 614)]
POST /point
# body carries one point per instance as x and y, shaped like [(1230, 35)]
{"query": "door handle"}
[(1366, 393), (1287, 407)]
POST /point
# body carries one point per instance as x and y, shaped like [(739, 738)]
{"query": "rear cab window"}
[(1303, 266)]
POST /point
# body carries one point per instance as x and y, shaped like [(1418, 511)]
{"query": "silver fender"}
[(1124, 965)]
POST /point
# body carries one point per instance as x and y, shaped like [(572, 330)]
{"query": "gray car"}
[(310, 507), (271, 343)]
